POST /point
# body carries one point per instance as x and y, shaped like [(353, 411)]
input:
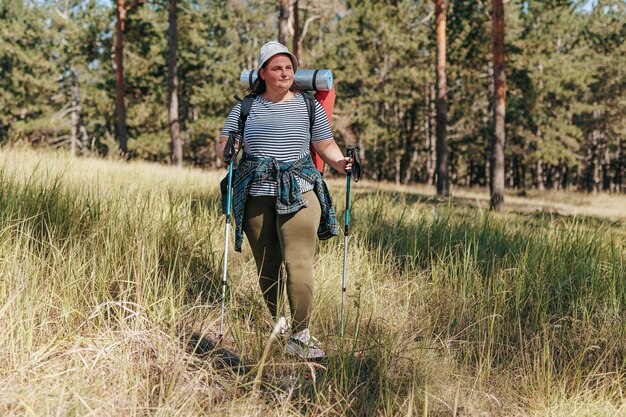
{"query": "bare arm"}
[(219, 148), (331, 154), (221, 145)]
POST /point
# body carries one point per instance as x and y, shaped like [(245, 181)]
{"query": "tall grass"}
[(106, 268)]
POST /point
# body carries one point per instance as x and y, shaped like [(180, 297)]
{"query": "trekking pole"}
[(229, 156), (356, 170)]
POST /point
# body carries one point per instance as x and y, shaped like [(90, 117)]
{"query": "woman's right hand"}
[(331, 154), (343, 165), (221, 147)]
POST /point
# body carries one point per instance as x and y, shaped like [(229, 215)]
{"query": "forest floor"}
[(606, 206)]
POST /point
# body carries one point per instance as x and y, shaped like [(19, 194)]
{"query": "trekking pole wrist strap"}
[(231, 148), (355, 171)]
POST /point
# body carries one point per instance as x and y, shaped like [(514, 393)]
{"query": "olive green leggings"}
[(291, 239)]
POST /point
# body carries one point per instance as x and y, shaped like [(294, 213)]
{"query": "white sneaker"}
[(281, 327), (304, 345)]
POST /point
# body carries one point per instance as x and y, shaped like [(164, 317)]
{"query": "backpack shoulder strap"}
[(310, 108), (246, 105)]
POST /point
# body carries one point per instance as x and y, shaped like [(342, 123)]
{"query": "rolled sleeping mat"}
[(312, 80)]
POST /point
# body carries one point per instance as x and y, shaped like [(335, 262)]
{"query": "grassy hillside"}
[(107, 268)]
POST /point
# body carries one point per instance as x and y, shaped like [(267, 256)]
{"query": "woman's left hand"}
[(344, 165), (332, 155)]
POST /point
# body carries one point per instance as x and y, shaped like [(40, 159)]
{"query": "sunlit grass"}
[(106, 267), (606, 206)]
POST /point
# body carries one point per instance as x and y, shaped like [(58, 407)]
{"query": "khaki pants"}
[(291, 239)]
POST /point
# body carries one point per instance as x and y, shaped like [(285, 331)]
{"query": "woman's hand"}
[(221, 147), (331, 154), (344, 165)]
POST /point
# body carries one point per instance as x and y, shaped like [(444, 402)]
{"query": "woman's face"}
[(278, 73)]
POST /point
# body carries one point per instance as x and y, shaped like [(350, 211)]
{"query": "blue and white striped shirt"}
[(279, 130)]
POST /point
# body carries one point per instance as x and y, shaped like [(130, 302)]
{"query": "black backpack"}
[(244, 112)]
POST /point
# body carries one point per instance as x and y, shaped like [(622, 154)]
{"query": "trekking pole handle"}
[(232, 146), (355, 160)]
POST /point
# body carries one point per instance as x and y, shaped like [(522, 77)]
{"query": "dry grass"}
[(106, 268), (605, 206)]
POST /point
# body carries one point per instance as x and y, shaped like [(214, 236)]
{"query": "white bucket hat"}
[(274, 48)]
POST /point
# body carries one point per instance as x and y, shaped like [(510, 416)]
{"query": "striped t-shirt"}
[(279, 130)]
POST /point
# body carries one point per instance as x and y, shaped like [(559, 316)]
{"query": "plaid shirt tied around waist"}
[(253, 170)]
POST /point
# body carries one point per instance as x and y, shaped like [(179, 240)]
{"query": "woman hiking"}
[(280, 201)]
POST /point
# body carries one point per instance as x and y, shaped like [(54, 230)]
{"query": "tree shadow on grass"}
[(46, 211), (434, 235), (211, 350), (194, 262), (528, 271), (358, 377), (494, 242)]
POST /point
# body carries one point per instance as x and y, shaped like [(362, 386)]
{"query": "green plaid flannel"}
[(253, 170)]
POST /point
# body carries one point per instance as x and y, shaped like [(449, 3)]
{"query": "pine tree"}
[(470, 73), (443, 185), (122, 131), (75, 26), (284, 21), (172, 85), (380, 64), (550, 75), (496, 177), (295, 12), (603, 123), (565, 81), (28, 75)]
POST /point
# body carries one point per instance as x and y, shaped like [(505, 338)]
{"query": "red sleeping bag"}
[(327, 100)]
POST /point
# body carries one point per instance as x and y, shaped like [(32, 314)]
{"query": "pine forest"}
[(100, 77)]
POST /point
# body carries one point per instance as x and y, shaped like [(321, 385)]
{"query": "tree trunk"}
[(74, 114), (509, 180), (496, 174), (539, 175), (443, 187), (296, 31), (594, 161), (176, 145), (122, 130), (519, 174), (607, 180), (398, 172), (592, 167), (595, 173), (565, 177), (619, 174), (73, 132), (551, 177), (452, 169), (82, 129), (283, 21), (78, 132), (431, 158), (410, 151)]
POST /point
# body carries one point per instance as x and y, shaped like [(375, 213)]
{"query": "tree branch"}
[(306, 25), (428, 17), (133, 4)]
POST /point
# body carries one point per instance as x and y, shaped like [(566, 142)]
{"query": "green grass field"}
[(106, 268)]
